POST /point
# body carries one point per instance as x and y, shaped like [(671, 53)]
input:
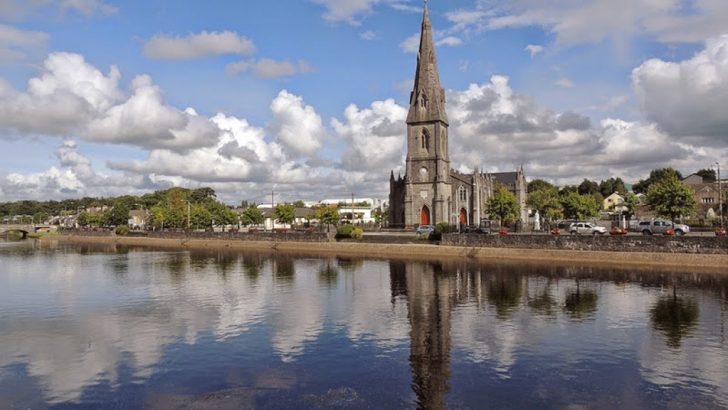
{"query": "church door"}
[(463, 219), (425, 215)]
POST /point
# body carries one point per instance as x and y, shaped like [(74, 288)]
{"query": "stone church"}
[(431, 191)]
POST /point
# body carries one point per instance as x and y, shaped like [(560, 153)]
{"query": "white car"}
[(586, 228)]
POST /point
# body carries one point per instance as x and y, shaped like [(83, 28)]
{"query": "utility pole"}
[(720, 195), (188, 215)]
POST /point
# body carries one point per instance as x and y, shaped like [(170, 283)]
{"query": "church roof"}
[(427, 100), (505, 178)]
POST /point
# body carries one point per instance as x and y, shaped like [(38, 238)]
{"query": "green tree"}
[(252, 216), (671, 198), (82, 219), (201, 194), (118, 215), (656, 175), (503, 205), (631, 202), (326, 215), (546, 201), (220, 213), (285, 213), (200, 217), (580, 207), (588, 187), (299, 204), (611, 186), (539, 184)]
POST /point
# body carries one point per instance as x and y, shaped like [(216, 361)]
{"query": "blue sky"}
[(308, 97)]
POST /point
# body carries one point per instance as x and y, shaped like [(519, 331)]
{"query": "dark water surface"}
[(128, 328)]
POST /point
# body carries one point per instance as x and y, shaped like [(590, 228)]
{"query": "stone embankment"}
[(685, 253)]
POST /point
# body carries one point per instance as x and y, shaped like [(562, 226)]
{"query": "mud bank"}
[(682, 261)]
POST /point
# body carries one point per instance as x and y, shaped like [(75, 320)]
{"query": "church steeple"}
[(427, 101)]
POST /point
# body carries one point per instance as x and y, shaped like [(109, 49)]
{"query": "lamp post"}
[(720, 195)]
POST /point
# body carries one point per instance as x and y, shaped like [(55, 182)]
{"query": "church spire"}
[(427, 101)]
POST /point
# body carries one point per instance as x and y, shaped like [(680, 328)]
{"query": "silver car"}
[(586, 228)]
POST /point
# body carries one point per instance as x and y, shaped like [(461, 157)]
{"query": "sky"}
[(308, 98)]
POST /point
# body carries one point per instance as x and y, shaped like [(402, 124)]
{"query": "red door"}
[(425, 215), (463, 217)]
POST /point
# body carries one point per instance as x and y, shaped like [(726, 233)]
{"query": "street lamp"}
[(720, 195)]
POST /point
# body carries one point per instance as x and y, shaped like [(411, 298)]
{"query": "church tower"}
[(427, 196)]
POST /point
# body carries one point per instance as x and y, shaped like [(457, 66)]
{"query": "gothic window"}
[(425, 140), (463, 194)]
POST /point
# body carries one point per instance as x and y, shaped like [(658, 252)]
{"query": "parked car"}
[(483, 228), (658, 226), (424, 229), (586, 228)]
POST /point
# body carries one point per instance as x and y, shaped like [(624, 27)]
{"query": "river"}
[(106, 326)]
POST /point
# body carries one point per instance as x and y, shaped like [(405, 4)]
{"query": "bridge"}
[(21, 229)]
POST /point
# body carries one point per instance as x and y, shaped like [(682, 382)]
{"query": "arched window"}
[(425, 140), (462, 193)]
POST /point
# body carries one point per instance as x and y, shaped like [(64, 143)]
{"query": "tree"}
[(656, 175), (671, 198), (299, 204), (503, 205), (285, 213), (201, 194), (200, 217), (579, 206), (631, 202), (118, 215), (546, 201), (588, 187), (538, 184), (252, 216), (326, 215), (611, 186)]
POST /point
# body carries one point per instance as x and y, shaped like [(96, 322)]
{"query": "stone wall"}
[(292, 236), (637, 243)]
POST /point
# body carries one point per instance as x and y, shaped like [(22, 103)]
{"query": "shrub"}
[(122, 230), (345, 230), (357, 232)]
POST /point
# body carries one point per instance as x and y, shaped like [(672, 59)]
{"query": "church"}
[(431, 191)]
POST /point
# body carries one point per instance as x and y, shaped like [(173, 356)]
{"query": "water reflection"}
[(97, 320), (581, 303), (675, 317)]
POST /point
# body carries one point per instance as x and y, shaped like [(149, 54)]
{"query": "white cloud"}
[(296, 126), (71, 97), (73, 177), (687, 99), (593, 21), (534, 49), (564, 82), (198, 45), (368, 35), (346, 10), (374, 137), (88, 7), (16, 43), (494, 128), (268, 68), (411, 44), (449, 41)]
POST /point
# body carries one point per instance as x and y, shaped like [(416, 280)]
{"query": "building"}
[(614, 203), (431, 191), (706, 194)]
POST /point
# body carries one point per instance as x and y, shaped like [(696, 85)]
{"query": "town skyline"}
[(214, 97)]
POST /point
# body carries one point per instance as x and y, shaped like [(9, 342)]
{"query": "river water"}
[(90, 327)]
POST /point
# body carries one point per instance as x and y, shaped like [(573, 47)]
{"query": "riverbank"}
[(682, 261)]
